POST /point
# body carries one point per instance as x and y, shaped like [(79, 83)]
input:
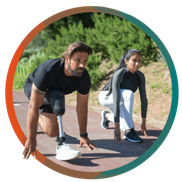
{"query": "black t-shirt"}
[(130, 81), (50, 76)]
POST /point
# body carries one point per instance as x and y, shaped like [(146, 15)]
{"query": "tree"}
[(36, 45), (52, 30), (74, 32), (37, 42)]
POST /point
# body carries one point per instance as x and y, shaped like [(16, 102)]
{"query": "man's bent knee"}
[(52, 131), (57, 100), (48, 122)]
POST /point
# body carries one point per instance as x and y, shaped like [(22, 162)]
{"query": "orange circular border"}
[(43, 159), (9, 92)]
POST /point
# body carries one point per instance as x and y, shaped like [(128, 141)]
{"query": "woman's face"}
[(133, 64)]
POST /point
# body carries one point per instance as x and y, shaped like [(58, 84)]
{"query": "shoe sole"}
[(102, 121), (66, 159), (135, 141)]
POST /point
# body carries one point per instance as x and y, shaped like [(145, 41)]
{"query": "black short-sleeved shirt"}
[(50, 76)]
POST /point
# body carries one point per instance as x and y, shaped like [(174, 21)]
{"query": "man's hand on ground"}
[(85, 141), (30, 146)]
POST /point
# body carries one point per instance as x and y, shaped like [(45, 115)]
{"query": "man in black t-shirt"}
[(65, 75)]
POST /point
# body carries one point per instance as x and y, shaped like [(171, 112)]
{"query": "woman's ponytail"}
[(121, 65)]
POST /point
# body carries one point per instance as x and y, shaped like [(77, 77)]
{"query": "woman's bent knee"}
[(128, 95), (105, 101)]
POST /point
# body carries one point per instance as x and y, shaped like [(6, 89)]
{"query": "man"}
[(65, 74)]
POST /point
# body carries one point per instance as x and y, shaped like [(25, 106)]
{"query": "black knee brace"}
[(57, 100)]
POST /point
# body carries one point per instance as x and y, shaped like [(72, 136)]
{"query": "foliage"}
[(26, 66), (28, 52), (161, 58), (108, 34), (114, 36), (73, 33), (94, 71), (20, 74), (37, 43), (52, 30)]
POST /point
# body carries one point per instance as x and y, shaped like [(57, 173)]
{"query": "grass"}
[(155, 85), (161, 75), (90, 108), (164, 113), (136, 110), (170, 90), (164, 65), (19, 80), (165, 90), (154, 69)]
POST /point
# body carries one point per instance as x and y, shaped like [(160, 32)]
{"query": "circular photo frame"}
[(79, 174)]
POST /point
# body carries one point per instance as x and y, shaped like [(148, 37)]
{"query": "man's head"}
[(75, 57)]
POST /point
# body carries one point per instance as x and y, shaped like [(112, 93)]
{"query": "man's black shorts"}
[(27, 90)]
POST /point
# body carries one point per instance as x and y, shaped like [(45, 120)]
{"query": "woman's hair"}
[(76, 47), (122, 64)]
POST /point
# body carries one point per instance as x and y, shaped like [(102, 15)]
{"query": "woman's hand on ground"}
[(144, 129)]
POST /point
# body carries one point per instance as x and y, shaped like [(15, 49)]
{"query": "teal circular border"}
[(175, 97), (174, 102)]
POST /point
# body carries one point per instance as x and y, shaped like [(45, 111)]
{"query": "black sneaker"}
[(132, 136), (104, 121)]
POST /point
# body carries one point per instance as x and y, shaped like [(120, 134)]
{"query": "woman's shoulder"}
[(140, 73), (118, 72)]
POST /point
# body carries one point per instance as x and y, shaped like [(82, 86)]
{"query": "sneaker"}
[(65, 152), (132, 136), (104, 121)]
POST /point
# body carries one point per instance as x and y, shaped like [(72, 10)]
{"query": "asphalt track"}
[(109, 155)]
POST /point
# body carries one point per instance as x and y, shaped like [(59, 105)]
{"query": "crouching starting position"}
[(46, 88), (118, 96)]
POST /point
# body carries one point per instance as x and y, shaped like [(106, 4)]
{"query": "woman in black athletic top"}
[(118, 96)]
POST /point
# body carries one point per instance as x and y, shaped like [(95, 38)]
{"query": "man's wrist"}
[(84, 134)]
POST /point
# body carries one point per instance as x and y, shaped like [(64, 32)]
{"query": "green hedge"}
[(111, 35), (114, 36)]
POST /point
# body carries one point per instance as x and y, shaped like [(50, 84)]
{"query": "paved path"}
[(109, 155)]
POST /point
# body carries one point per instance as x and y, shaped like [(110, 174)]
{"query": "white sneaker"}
[(65, 152)]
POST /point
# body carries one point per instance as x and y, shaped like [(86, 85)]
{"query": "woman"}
[(118, 97)]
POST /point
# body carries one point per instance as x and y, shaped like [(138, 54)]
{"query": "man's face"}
[(77, 63)]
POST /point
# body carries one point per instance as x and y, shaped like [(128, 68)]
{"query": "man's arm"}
[(36, 101), (82, 111)]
